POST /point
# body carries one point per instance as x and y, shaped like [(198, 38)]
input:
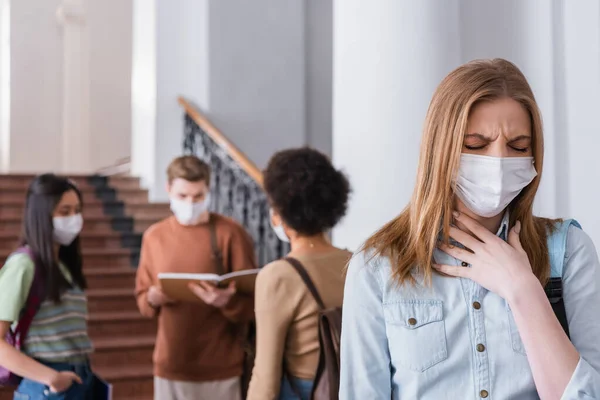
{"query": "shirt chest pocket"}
[(416, 333)]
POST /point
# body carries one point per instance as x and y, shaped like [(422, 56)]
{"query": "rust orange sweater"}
[(195, 342)]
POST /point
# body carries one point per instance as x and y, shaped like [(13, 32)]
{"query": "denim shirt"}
[(455, 339)]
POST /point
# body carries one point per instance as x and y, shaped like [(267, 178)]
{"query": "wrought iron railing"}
[(234, 192)]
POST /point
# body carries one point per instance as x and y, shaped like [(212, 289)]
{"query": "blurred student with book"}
[(308, 197), (198, 353)]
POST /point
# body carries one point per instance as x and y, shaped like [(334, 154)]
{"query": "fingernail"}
[(456, 214)]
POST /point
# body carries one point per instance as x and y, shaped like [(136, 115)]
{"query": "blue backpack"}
[(557, 247)]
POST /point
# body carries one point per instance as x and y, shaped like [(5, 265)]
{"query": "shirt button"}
[(412, 321), (484, 394), (476, 305), (464, 264), (480, 348)]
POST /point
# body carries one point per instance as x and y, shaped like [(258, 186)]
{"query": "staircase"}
[(116, 212)]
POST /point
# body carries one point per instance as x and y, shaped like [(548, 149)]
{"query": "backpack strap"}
[(307, 281), (214, 245), (315, 294), (557, 248), (34, 299)]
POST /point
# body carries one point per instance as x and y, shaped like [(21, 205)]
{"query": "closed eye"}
[(521, 150), (476, 147)]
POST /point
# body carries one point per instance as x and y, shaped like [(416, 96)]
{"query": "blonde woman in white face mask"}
[(42, 300), (448, 300)]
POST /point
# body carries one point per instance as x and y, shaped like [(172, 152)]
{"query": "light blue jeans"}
[(287, 392), (32, 390)]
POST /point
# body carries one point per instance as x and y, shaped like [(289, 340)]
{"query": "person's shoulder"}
[(277, 271), (158, 228), (229, 224), (368, 259), (578, 240), (18, 263)]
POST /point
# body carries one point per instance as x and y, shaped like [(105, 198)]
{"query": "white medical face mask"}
[(279, 231), (487, 185), (66, 229), (189, 213)]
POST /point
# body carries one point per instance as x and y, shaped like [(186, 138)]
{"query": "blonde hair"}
[(410, 239), (189, 168)]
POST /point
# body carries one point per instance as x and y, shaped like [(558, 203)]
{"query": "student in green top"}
[(54, 358)]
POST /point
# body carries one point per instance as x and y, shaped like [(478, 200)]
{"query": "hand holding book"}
[(212, 295), (177, 285)]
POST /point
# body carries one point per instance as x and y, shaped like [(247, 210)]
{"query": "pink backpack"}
[(17, 336)]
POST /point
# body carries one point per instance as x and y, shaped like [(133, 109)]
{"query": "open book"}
[(175, 285)]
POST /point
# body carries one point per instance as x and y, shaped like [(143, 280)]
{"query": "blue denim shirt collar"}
[(502, 231)]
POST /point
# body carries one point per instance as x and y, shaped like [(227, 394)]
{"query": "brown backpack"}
[(327, 379)]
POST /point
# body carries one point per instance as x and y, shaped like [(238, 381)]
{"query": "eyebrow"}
[(484, 138), (521, 137), (477, 136)]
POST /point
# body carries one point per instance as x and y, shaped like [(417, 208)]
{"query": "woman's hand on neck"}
[(492, 224)]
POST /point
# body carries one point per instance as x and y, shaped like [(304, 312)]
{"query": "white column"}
[(582, 106), (170, 60), (76, 81), (4, 85), (143, 92), (389, 56)]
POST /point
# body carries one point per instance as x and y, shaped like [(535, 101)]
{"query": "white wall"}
[(406, 48), (257, 74), (182, 70), (170, 60), (577, 150), (110, 30), (260, 71), (319, 74), (143, 92), (40, 124), (36, 86), (388, 58), (4, 84)]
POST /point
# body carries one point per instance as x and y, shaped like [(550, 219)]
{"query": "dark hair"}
[(306, 190), (190, 168), (43, 195)]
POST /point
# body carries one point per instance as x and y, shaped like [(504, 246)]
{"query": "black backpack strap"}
[(216, 252), (554, 292), (307, 281), (315, 294)]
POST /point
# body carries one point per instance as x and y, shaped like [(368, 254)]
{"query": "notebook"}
[(175, 285), (102, 389)]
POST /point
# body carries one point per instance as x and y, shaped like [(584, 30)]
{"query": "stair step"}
[(123, 351), (80, 180), (110, 277), (89, 240), (14, 195), (129, 382), (113, 299), (97, 210), (104, 224), (97, 257), (120, 323)]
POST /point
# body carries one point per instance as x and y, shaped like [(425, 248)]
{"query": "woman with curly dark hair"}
[(308, 197)]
